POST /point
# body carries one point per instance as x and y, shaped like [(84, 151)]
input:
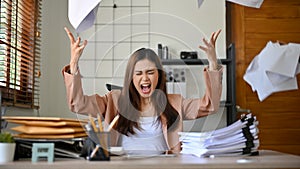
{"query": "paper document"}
[(238, 138), (200, 3), (274, 69), (82, 14), (249, 3)]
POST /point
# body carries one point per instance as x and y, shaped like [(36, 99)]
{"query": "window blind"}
[(20, 52)]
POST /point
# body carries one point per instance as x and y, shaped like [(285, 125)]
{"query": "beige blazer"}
[(107, 104)]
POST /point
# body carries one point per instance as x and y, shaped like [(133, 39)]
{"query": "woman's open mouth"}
[(146, 88)]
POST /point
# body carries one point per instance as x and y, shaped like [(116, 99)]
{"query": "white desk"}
[(266, 159)]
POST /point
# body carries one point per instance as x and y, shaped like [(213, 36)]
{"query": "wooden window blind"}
[(20, 52)]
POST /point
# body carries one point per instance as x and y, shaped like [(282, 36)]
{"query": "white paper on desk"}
[(229, 129), (233, 127), (237, 146), (238, 137), (82, 14), (226, 141), (234, 149), (222, 131), (227, 144), (274, 69), (230, 137), (249, 3), (229, 133)]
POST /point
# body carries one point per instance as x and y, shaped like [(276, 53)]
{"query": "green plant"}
[(6, 138)]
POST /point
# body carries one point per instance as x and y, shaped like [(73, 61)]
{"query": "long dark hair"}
[(129, 101)]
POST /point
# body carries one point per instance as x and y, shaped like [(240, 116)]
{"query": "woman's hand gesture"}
[(76, 50), (209, 49)]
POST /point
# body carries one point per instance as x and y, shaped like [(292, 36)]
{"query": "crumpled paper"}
[(274, 69)]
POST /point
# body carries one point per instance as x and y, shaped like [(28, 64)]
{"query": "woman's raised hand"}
[(209, 49), (76, 50)]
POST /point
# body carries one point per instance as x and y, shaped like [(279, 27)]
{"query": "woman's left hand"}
[(209, 49)]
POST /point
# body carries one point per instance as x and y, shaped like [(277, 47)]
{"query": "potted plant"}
[(7, 147)]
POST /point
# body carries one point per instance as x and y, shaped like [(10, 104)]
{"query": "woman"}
[(150, 119)]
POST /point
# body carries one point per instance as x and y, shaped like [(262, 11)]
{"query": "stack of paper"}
[(47, 127), (238, 138)]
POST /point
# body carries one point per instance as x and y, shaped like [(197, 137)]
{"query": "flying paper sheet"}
[(200, 3), (274, 69), (82, 14), (249, 3)]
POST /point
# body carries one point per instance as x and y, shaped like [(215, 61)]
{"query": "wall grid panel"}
[(120, 28)]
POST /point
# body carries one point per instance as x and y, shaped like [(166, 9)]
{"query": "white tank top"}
[(149, 140)]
